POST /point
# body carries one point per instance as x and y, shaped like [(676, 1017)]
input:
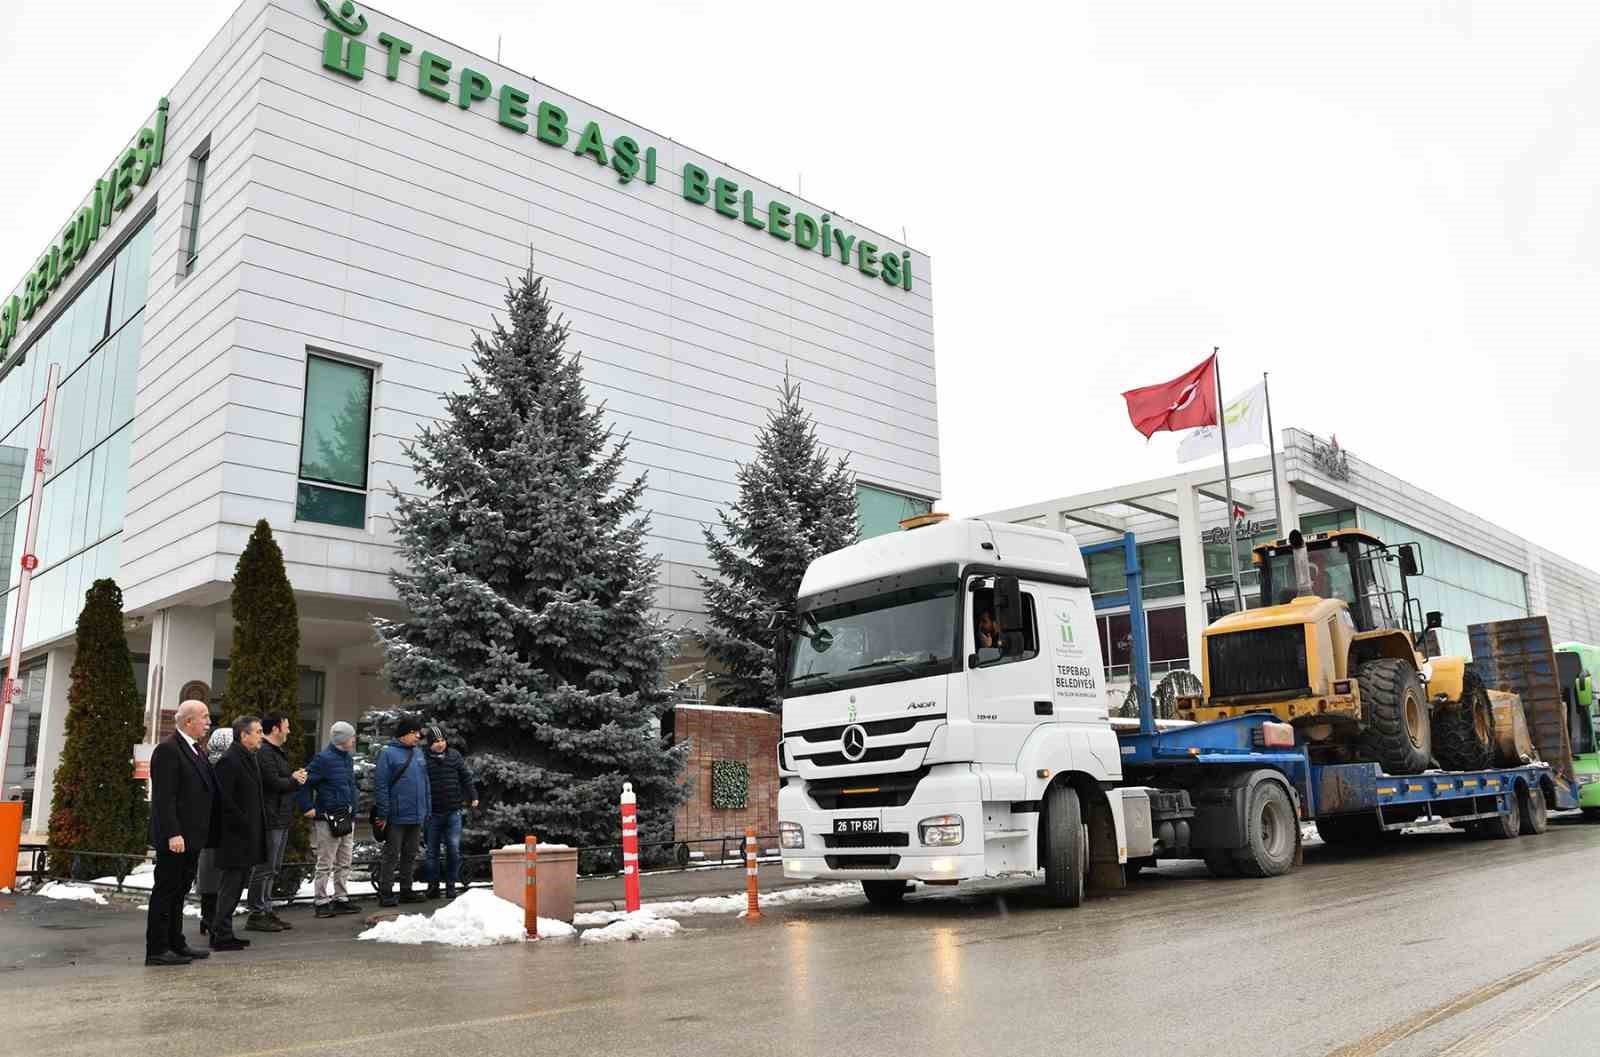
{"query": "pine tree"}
[(264, 664), (793, 505), (531, 633), (97, 804)]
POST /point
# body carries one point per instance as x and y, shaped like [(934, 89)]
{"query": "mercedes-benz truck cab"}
[(944, 716)]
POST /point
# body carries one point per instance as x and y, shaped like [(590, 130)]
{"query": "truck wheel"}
[(1463, 733), (884, 893), (1398, 736), (1065, 855), (1221, 863), (1506, 826), (1533, 809), (1270, 832)]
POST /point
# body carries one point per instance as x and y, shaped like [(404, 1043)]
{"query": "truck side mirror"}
[(1435, 620), (1008, 603), (1408, 560)]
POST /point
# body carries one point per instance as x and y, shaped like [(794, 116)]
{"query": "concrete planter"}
[(558, 877)]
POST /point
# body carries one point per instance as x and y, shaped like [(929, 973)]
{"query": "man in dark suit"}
[(243, 845), (183, 812)]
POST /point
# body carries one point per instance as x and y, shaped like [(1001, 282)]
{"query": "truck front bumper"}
[(833, 849)]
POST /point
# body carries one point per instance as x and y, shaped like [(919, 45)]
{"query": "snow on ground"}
[(478, 918), (642, 924), (728, 904), (71, 892), (142, 877)]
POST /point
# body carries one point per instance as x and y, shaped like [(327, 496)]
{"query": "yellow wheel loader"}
[(1348, 658)]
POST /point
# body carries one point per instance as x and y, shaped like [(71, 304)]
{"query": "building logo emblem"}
[(854, 743), (342, 18)]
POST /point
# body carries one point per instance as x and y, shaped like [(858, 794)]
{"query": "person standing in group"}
[(243, 845), (400, 790), (328, 799), (450, 790), (208, 878), (183, 812), (278, 788)]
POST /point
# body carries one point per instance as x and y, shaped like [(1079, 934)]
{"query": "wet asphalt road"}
[(1443, 946)]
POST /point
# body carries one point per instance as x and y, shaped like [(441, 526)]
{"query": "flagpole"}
[(1227, 477), (1272, 448)]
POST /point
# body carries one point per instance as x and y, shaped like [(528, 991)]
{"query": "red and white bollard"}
[(753, 898), (630, 846), (530, 891)]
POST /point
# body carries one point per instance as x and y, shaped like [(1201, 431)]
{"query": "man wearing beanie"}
[(328, 799), (401, 805)]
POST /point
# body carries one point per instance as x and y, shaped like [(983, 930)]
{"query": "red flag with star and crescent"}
[(1187, 401)]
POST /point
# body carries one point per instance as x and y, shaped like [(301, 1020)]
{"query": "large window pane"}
[(880, 511), (1106, 575), (1169, 635), (334, 433), (116, 487), (330, 506)]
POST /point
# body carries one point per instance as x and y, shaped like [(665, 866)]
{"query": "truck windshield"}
[(904, 634)]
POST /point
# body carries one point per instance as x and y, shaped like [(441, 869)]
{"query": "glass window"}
[(334, 438), (1169, 635), (880, 511), (193, 254), (986, 636), (899, 635), (1106, 575)]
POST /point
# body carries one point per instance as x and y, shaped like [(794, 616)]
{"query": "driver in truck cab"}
[(989, 636)]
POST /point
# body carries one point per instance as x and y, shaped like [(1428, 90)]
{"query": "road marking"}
[(1509, 1026), (346, 1044), (1382, 1040)]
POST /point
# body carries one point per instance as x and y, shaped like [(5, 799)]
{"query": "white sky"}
[(1391, 206)]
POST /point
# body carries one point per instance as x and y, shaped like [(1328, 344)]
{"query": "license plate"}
[(855, 825)]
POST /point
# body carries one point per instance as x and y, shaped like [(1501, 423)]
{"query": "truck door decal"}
[(1074, 664)]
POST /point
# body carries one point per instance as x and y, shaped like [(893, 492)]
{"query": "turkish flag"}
[(1187, 401)]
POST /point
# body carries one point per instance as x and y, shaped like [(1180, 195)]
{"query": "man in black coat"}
[(184, 811), (278, 786), (244, 827)]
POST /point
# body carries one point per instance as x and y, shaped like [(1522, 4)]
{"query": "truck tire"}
[(1271, 832), (1066, 856), (884, 893), (1463, 733), (1506, 826), (1221, 863), (1398, 736), (1533, 809)]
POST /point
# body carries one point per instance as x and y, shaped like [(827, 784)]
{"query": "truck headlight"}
[(941, 831), (791, 835)]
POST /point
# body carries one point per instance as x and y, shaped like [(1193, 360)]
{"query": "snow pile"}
[(642, 924), (192, 910), (478, 918), (71, 892), (728, 904), (142, 877)]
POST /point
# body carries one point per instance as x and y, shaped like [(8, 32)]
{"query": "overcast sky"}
[(1391, 206)]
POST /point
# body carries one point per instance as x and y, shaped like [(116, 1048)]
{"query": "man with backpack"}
[(402, 803)]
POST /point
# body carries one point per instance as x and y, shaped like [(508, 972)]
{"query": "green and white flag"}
[(1246, 416)]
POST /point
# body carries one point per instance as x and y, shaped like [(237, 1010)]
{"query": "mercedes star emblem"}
[(855, 742)]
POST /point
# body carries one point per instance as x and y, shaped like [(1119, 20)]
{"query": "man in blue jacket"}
[(328, 799), (403, 803)]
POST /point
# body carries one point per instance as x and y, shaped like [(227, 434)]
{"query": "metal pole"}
[(1272, 448), (1136, 624), (1227, 477), (30, 561)]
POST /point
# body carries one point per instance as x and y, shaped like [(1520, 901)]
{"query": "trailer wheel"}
[(1463, 734), (1270, 832), (1533, 809), (884, 893), (1065, 851), (1507, 825), (1398, 736), (1221, 863)]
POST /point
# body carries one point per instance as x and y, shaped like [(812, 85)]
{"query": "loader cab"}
[(1350, 565)]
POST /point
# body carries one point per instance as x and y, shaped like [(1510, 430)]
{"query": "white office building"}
[(270, 286)]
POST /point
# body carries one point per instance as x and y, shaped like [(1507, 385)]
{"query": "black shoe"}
[(261, 923), (326, 910), (167, 958), (433, 892), (276, 920), (208, 913), (344, 906), (230, 943), (193, 953), (450, 891), (390, 902), (411, 897)]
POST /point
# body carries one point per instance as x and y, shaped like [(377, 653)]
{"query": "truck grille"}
[(882, 754), (866, 840), (862, 862), (1258, 661), (867, 790), (873, 728)]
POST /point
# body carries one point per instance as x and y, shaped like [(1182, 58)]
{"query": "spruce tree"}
[(264, 664), (97, 804), (531, 633), (794, 504)]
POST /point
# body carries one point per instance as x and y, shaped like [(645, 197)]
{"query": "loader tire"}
[(1271, 832), (1533, 809), (884, 893), (1463, 732), (1398, 736), (1065, 851)]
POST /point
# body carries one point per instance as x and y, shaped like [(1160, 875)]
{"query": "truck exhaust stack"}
[(1302, 564)]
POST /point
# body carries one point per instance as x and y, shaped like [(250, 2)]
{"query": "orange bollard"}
[(630, 846), (753, 901), (530, 891)]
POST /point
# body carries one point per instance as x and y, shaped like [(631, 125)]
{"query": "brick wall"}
[(745, 735)]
